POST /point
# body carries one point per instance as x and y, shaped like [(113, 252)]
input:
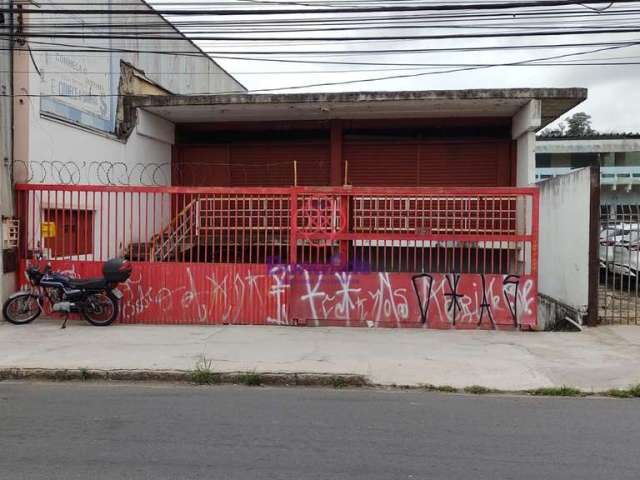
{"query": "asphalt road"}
[(106, 431)]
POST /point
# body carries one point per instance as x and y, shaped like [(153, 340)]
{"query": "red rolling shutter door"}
[(201, 166), (274, 163), (478, 164), (252, 164), (379, 163)]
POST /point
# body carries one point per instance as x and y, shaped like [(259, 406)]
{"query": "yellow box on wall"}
[(48, 229)]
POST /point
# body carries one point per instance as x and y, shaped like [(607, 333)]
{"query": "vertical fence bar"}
[(99, 223), (33, 227), (115, 222), (293, 228), (160, 229)]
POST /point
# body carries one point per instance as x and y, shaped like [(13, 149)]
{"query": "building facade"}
[(367, 208), (617, 156)]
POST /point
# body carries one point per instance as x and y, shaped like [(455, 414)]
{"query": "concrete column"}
[(524, 125), (526, 159)]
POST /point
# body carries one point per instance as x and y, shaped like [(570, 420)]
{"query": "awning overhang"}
[(184, 109)]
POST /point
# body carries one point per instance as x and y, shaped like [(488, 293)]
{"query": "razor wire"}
[(104, 173), (120, 173)]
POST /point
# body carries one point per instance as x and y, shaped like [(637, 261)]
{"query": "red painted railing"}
[(391, 229), (313, 230)]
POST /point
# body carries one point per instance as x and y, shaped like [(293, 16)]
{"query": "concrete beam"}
[(528, 119), (354, 105), (152, 126)]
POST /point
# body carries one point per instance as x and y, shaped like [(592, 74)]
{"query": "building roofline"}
[(204, 54), (428, 103), (577, 94)]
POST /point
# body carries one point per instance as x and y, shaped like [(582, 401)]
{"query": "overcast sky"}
[(614, 91)]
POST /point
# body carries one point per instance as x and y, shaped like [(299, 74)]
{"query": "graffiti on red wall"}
[(199, 294), (170, 293), (402, 299)]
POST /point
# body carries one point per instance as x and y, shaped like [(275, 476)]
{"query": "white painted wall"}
[(75, 155), (67, 154), (564, 238)]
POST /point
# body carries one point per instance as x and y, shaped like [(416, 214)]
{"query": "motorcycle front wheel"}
[(21, 309), (100, 309)]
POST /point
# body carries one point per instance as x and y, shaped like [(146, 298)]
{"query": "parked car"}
[(620, 234), (620, 249)]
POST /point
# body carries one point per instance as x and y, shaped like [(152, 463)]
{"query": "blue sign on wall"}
[(86, 82)]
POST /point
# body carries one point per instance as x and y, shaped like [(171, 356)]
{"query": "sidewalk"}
[(597, 359)]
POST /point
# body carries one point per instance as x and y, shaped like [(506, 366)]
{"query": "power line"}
[(431, 17), (43, 29), (347, 82), (284, 11), (414, 75), (336, 39), (234, 54), (570, 63)]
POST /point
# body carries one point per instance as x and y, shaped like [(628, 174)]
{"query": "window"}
[(71, 234)]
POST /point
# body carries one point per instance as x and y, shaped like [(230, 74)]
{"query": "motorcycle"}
[(97, 299)]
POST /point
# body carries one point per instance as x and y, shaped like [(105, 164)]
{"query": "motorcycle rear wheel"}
[(21, 309), (100, 309)]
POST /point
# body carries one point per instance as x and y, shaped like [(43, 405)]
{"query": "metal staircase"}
[(180, 235)]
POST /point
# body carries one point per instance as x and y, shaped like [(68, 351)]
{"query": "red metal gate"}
[(407, 257)]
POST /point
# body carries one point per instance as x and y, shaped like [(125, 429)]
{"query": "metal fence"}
[(419, 257), (619, 254), (463, 230)]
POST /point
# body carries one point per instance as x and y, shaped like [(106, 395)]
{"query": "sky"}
[(614, 93)]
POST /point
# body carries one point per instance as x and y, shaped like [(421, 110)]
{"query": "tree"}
[(579, 125), (554, 132)]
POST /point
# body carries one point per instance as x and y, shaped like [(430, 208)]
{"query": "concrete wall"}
[(565, 212), (98, 158), (66, 70)]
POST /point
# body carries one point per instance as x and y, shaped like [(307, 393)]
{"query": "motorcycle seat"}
[(88, 283)]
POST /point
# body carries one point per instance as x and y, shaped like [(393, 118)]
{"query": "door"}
[(426, 163)]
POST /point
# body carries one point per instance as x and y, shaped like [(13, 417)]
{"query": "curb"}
[(253, 378), (185, 376)]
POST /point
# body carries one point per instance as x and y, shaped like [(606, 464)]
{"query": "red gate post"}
[(344, 230), (293, 227)]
